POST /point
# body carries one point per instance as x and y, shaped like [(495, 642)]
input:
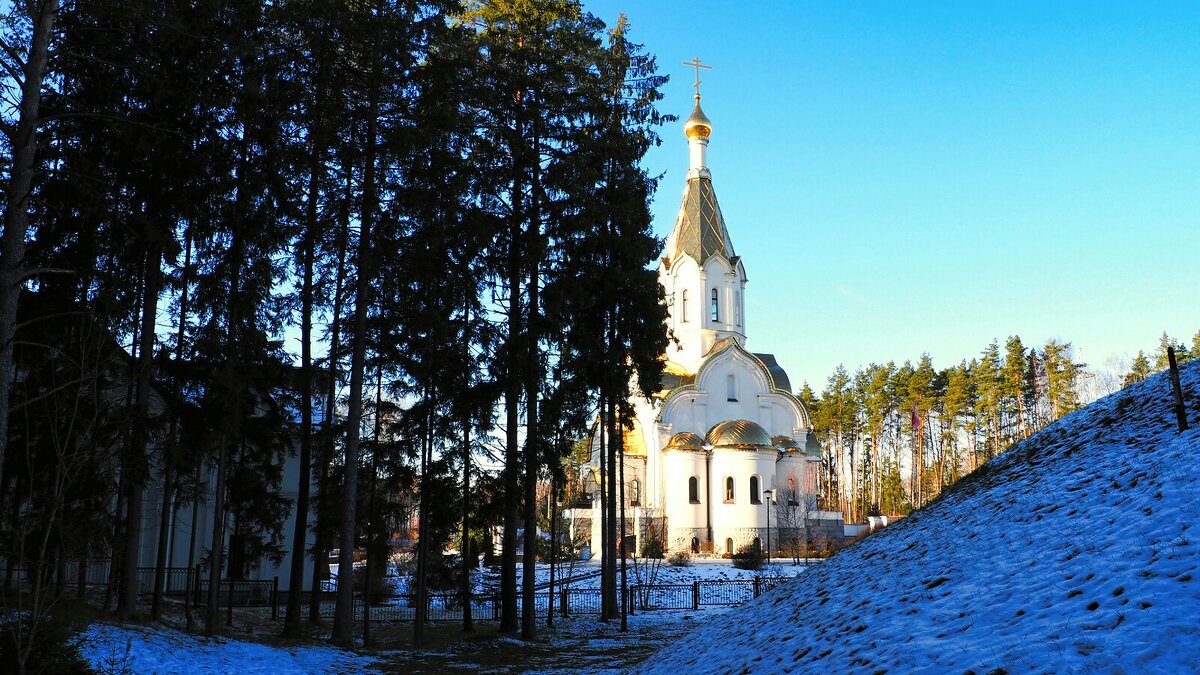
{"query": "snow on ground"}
[(1074, 551), (704, 569), (146, 649)]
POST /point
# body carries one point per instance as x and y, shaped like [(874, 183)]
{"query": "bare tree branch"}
[(17, 66), (39, 271)]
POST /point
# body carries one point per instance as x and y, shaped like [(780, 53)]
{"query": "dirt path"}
[(576, 645)]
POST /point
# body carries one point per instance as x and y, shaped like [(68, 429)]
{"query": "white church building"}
[(725, 428)]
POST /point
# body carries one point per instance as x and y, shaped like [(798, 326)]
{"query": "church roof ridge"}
[(776, 377)]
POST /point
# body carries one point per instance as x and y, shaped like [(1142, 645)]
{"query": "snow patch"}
[(145, 649)]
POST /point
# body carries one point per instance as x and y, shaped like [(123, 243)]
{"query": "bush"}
[(54, 650), (652, 547), (680, 559), (748, 558)]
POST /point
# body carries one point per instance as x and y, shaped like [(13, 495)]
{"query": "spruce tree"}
[(1139, 371), (313, 69)]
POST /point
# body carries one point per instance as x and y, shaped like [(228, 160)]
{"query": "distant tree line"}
[(371, 235), (894, 436)]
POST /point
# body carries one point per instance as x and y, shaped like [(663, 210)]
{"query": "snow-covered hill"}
[(1077, 550)]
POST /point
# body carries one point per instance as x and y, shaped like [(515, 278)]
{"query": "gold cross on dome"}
[(695, 63)]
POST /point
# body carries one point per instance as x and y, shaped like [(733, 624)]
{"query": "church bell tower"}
[(704, 279)]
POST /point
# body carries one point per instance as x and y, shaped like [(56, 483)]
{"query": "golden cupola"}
[(698, 125)]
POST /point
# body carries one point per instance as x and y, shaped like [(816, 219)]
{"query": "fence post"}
[(757, 586), (187, 597), (633, 598), (196, 587), (367, 618), (496, 606), (696, 595), (229, 611), (275, 599)]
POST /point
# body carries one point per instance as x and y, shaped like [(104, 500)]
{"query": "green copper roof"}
[(700, 228), (779, 377)]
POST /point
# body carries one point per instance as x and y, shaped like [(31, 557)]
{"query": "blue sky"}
[(909, 177)]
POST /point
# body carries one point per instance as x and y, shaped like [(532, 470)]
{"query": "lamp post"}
[(768, 494)]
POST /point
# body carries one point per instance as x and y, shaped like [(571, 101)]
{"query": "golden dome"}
[(635, 443), (739, 434), (697, 126), (786, 444), (685, 440)]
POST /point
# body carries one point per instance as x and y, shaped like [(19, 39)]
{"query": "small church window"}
[(695, 545), (731, 388), (729, 544), (755, 498), (715, 314), (635, 493), (693, 490), (683, 298), (737, 307), (729, 489)]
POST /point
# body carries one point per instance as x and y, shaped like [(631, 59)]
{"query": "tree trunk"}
[(291, 626), (512, 396), (16, 212), (553, 549), (468, 562), (422, 577), (343, 628), (605, 523), (532, 456), (624, 563), (135, 467), (212, 612), (165, 523), (611, 498), (321, 552)]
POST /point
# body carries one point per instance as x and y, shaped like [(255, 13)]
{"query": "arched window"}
[(693, 490), (716, 316), (731, 388), (737, 307), (755, 498), (757, 545), (635, 492), (729, 545), (683, 313), (695, 545), (793, 496), (729, 489)]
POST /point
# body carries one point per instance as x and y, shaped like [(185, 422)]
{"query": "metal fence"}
[(447, 607), (441, 607), (241, 592), (714, 593), (98, 572)]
